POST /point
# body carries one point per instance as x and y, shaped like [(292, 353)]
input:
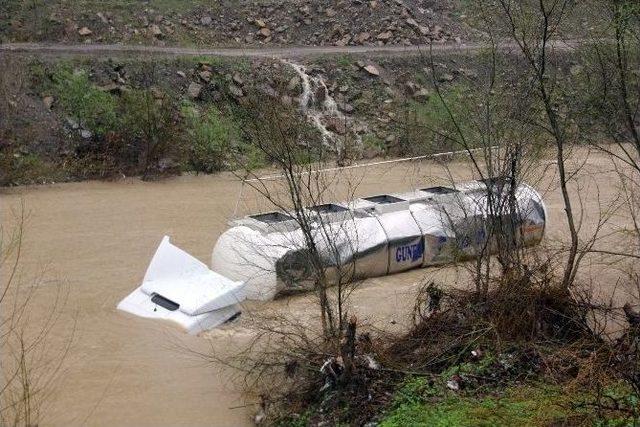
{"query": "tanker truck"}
[(264, 255)]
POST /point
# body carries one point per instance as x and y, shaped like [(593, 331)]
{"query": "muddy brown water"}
[(96, 238)]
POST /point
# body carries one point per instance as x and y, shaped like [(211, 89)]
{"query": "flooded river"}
[(96, 239)]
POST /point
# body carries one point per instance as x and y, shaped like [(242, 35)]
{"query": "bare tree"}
[(323, 259), (11, 84), (613, 84), (614, 102), (534, 26), (485, 121), (30, 364)]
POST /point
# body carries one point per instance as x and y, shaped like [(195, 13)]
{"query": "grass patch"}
[(16, 169), (212, 61), (418, 403), (295, 420), (344, 60), (372, 141), (215, 141), (430, 126)]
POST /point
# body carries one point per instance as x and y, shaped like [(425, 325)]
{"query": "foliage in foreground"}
[(523, 356)]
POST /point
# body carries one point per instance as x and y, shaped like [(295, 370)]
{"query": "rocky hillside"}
[(235, 22), (78, 119)]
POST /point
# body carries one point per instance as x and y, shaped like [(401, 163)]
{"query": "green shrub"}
[(372, 141), (344, 60), (17, 169), (428, 127), (212, 61), (211, 137), (151, 132), (253, 157), (93, 108)]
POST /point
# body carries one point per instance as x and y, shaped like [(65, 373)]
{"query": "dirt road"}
[(253, 52), (98, 237)]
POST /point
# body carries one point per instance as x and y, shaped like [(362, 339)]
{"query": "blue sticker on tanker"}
[(411, 253), (466, 240)]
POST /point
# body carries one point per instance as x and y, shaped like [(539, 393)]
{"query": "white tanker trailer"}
[(261, 256)]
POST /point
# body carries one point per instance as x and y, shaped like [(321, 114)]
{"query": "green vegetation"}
[(150, 130), (372, 141), (297, 420), (344, 60), (211, 136), (418, 404), (423, 401), (435, 118), (16, 167), (140, 130), (93, 108), (212, 61)]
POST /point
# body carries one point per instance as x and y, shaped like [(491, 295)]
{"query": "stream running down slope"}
[(317, 104)]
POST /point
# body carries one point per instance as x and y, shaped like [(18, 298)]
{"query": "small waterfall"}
[(319, 112)]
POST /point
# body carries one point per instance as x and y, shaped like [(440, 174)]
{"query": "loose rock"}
[(265, 32), (347, 108), (236, 91), (102, 18), (294, 83), (337, 125), (362, 37), (73, 123), (371, 69), (48, 101), (194, 90), (385, 36), (421, 95), (237, 79), (445, 78), (156, 31), (205, 75)]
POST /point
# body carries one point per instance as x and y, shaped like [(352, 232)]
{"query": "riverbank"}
[(98, 237)]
